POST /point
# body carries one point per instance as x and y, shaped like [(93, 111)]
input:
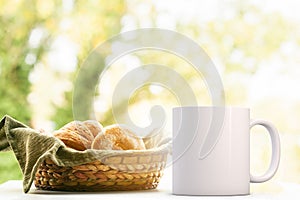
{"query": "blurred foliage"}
[(17, 20), (99, 20), (242, 45), (9, 168), (90, 22)]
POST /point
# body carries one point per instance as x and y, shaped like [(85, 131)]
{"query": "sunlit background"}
[(255, 45)]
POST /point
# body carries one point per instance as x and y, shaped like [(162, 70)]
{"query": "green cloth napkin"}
[(31, 148)]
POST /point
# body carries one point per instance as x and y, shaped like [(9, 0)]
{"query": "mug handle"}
[(275, 151)]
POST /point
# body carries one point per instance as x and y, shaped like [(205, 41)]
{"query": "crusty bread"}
[(91, 134), (72, 140), (94, 126), (117, 137), (75, 135)]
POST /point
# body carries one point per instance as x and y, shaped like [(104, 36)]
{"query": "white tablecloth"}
[(13, 190)]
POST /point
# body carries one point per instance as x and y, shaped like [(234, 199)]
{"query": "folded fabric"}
[(31, 148)]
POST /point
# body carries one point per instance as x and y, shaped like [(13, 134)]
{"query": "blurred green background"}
[(255, 46)]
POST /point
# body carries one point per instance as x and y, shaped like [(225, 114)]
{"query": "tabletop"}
[(14, 190)]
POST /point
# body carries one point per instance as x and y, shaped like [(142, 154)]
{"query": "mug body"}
[(211, 154)]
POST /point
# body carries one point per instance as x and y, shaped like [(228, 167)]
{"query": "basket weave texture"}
[(135, 171)]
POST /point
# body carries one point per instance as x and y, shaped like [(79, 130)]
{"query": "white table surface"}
[(13, 190)]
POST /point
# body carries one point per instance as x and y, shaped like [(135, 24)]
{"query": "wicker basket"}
[(137, 171)]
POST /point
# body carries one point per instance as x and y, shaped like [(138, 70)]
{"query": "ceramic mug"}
[(211, 151)]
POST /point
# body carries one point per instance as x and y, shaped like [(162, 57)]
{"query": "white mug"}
[(211, 151)]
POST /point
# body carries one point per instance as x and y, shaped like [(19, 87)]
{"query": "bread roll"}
[(116, 137), (94, 126), (75, 135), (72, 140)]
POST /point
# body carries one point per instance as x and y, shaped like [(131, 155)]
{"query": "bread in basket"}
[(133, 164)]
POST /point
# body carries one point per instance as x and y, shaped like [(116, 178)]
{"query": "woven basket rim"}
[(92, 155), (163, 147)]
